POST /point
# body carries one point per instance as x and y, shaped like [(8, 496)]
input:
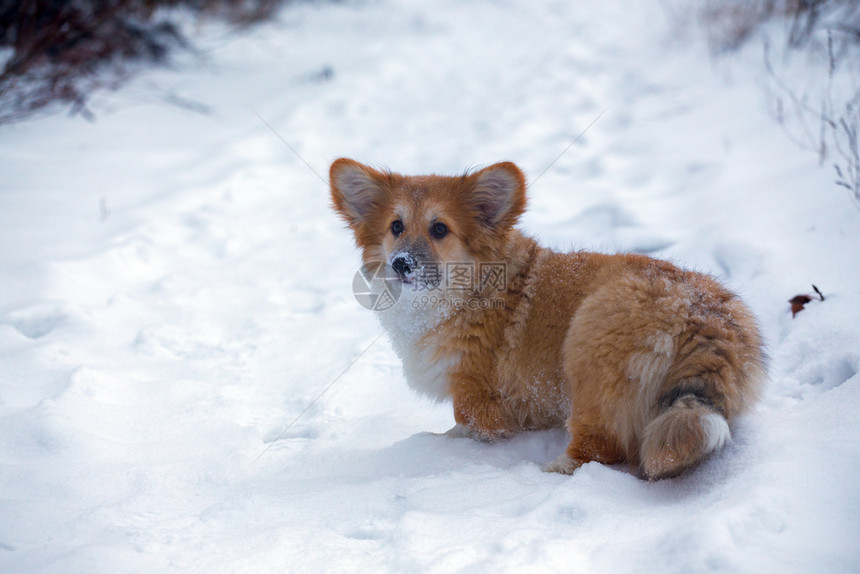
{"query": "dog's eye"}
[(439, 230), (397, 227)]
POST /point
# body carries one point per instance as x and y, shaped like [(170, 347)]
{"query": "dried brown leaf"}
[(799, 301)]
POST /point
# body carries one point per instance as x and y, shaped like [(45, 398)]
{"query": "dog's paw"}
[(461, 431), (562, 465)]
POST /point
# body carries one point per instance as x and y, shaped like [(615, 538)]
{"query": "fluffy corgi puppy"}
[(647, 363)]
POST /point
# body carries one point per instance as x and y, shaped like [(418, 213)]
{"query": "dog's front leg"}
[(479, 411)]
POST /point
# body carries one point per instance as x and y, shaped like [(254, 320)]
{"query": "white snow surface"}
[(188, 385)]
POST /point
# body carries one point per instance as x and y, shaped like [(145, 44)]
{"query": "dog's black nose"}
[(403, 265)]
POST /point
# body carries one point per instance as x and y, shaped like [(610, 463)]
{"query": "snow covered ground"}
[(176, 292)]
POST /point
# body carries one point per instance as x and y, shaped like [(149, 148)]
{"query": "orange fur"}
[(645, 361)]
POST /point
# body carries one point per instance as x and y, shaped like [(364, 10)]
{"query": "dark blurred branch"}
[(63, 51), (830, 31)]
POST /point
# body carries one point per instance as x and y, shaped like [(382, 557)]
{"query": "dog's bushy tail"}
[(687, 429)]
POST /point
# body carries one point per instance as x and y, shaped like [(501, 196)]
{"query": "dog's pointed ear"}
[(356, 189), (499, 194)]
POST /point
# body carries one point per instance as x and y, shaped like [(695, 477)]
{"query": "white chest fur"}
[(426, 371)]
